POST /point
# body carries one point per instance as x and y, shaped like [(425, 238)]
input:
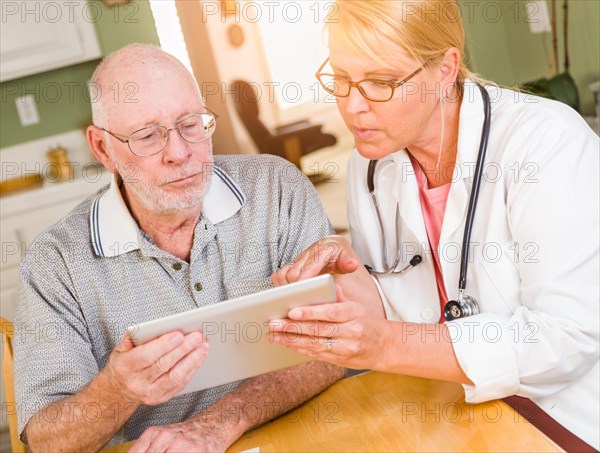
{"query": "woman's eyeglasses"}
[(373, 89)]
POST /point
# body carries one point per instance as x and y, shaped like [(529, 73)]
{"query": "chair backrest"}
[(9, 386), (246, 104)]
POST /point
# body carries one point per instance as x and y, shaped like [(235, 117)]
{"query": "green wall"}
[(62, 99), (503, 49), (499, 44)]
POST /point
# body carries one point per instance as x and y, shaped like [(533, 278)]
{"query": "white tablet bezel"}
[(237, 331)]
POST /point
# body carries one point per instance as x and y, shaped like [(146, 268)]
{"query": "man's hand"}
[(191, 435), (155, 372)]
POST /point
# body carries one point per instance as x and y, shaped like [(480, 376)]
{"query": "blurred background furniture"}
[(9, 386), (290, 141)]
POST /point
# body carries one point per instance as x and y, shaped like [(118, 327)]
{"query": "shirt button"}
[(198, 287), (177, 266), (427, 314)]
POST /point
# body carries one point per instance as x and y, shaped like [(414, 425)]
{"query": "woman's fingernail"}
[(295, 314)]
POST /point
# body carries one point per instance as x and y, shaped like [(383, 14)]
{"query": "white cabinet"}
[(38, 35)]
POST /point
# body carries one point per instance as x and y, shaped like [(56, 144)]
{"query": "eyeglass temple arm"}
[(321, 67)]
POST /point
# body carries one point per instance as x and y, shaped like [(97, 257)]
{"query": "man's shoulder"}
[(253, 170), (71, 229), (265, 161)]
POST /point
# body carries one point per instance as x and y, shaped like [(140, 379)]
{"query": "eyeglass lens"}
[(372, 89), (193, 129)]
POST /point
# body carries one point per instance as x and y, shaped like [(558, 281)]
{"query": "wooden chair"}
[(9, 392), (290, 141), (9, 386)]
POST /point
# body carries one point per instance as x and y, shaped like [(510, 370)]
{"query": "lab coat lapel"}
[(469, 136), (406, 192)]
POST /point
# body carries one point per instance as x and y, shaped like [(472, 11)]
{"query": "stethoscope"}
[(464, 305)]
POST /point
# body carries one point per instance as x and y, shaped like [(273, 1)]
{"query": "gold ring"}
[(329, 343)]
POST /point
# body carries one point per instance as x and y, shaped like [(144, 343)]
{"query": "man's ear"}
[(97, 143)]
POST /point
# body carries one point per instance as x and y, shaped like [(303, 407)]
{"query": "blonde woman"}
[(473, 211)]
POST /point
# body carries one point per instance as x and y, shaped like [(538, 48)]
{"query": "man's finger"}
[(142, 443), (125, 345), (180, 375), (185, 369), (164, 364), (146, 355)]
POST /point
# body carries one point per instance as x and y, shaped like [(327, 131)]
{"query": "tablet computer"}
[(237, 331)]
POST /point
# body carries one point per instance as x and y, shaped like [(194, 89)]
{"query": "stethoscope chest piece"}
[(465, 306)]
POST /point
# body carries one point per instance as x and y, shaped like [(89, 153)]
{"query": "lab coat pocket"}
[(497, 277), (239, 288)]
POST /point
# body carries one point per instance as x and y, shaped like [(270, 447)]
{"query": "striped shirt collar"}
[(114, 231)]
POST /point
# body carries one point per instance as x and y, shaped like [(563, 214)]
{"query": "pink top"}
[(433, 205)]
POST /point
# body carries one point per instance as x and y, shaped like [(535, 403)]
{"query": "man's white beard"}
[(158, 200)]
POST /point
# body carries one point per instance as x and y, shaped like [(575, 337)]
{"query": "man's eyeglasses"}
[(153, 139), (375, 90)]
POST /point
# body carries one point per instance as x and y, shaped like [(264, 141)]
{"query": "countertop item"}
[(86, 178), (20, 184), (60, 169)]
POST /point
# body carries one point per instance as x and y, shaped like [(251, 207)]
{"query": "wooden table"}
[(385, 412)]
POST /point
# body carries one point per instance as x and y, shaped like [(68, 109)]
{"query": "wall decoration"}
[(236, 35)]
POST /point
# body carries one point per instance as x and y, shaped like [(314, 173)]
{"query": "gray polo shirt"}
[(95, 272)]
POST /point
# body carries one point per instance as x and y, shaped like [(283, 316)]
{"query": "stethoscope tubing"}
[(485, 135), (472, 206)]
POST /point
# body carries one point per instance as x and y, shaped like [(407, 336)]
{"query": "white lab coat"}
[(534, 255)]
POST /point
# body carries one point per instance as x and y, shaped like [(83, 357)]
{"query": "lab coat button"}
[(427, 314)]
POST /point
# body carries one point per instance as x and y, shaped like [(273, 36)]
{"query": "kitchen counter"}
[(87, 179)]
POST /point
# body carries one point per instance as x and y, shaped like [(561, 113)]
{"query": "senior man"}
[(175, 230)]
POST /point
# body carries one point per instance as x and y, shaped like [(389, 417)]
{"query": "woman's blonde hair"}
[(426, 29)]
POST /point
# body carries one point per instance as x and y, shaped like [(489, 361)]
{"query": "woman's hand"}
[(347, 333), (330, 255), (333, 255)]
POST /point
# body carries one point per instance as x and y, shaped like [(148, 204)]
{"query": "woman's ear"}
[(97, 143), (449, 68)]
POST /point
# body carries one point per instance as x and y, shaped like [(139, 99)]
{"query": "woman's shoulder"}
[(527, 125), (522, 109)]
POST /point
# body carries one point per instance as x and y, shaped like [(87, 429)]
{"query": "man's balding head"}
[(117, 78)]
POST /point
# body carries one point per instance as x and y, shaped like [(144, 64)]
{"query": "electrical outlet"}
[(27, 109)]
